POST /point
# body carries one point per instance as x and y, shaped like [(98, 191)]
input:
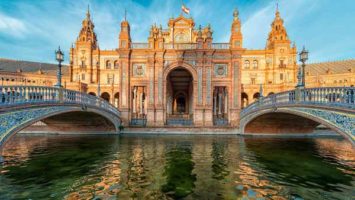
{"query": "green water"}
[(176, 167)]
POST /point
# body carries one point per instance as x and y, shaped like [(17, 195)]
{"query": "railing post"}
[(60, 95), (298, 94)]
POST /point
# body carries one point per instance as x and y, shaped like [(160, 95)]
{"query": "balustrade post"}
[(298, 94)]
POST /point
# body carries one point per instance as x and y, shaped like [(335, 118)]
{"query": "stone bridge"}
[(301, 110), (60, 109)]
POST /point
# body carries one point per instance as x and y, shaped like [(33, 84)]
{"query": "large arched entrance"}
[(179, 97)]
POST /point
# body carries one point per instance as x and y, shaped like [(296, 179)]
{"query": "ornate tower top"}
[(278, 33), (236, 38), (87, 33), (125, 34), (236, 14)]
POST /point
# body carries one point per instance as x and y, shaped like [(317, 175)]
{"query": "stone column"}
[(141, 103), (214, 103), (151, 91), (134, 99), (225, 101), (219, 102)]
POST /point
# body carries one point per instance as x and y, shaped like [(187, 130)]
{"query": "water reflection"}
[(175, 167), (219, 163)]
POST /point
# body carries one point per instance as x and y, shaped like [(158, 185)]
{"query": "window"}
[(246, 64), (281, 76), (109, 78), (255, 64), (108, 64), (123, 44), (282, 65), (237, 43), (82, 64), (253, 81), (115, 65), (83, 77)]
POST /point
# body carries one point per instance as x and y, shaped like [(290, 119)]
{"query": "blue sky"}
[(33, 29)]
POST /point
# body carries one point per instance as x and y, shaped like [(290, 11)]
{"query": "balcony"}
[(181, 46), (220, 45), (139, 45)]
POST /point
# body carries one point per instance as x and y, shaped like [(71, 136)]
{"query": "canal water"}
[(176, 167)]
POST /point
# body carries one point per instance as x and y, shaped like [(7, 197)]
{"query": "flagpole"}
[(182, 3)]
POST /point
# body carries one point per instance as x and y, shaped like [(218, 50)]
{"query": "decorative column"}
[(134, 98), (219, 102), (141, 103), (225, 101), (214, 102)]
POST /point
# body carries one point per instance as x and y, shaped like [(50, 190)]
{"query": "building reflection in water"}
[(219, 162), (18, 149), (275, 170), (180, 181), (337, 152), (175, 167)]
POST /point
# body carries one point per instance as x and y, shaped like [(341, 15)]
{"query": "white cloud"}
[(12, 26)]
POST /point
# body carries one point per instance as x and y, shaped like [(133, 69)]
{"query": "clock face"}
[(236, 29)]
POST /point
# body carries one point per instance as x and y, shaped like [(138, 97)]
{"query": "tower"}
[(125, 35), (83, 54), (236, 39), (281, 57)]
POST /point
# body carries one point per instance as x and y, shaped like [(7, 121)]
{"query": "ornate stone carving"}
[(151, 85), (345, 122), (139, 70), (160, 87), (9, 121), (235, 78), (208, 85), (124, 96), (199, 85), (220, 70)]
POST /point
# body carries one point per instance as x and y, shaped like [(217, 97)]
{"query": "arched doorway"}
[(245, 100), (106, 96), (92, 93), (116, 99), (179, 97)]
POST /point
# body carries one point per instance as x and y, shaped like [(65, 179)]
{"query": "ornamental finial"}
[(235, 14), (88, 12)]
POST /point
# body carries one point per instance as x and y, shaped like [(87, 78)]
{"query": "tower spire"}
[(277, 13), (88, 12), (125, 14)]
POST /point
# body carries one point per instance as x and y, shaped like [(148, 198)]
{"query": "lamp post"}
[(303, 56), (59, 56)]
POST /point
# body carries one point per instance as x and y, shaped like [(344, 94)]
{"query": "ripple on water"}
[(203, 167)]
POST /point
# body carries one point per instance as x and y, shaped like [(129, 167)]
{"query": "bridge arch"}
[(52, 106), (289, 121), (60, 119), (302, 110)]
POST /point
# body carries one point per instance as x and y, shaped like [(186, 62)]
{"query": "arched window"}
[(245, 100), (106, 96), (255, 64), (116, 99), (115, 64), (108, 64), (246, 64), (256, 95)]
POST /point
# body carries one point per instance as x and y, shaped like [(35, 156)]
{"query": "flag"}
[(185, 9)]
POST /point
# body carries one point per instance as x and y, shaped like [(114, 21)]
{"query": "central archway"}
[(179, 97)]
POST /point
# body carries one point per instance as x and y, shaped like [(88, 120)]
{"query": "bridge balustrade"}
[(11, 96), (343, 97)]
